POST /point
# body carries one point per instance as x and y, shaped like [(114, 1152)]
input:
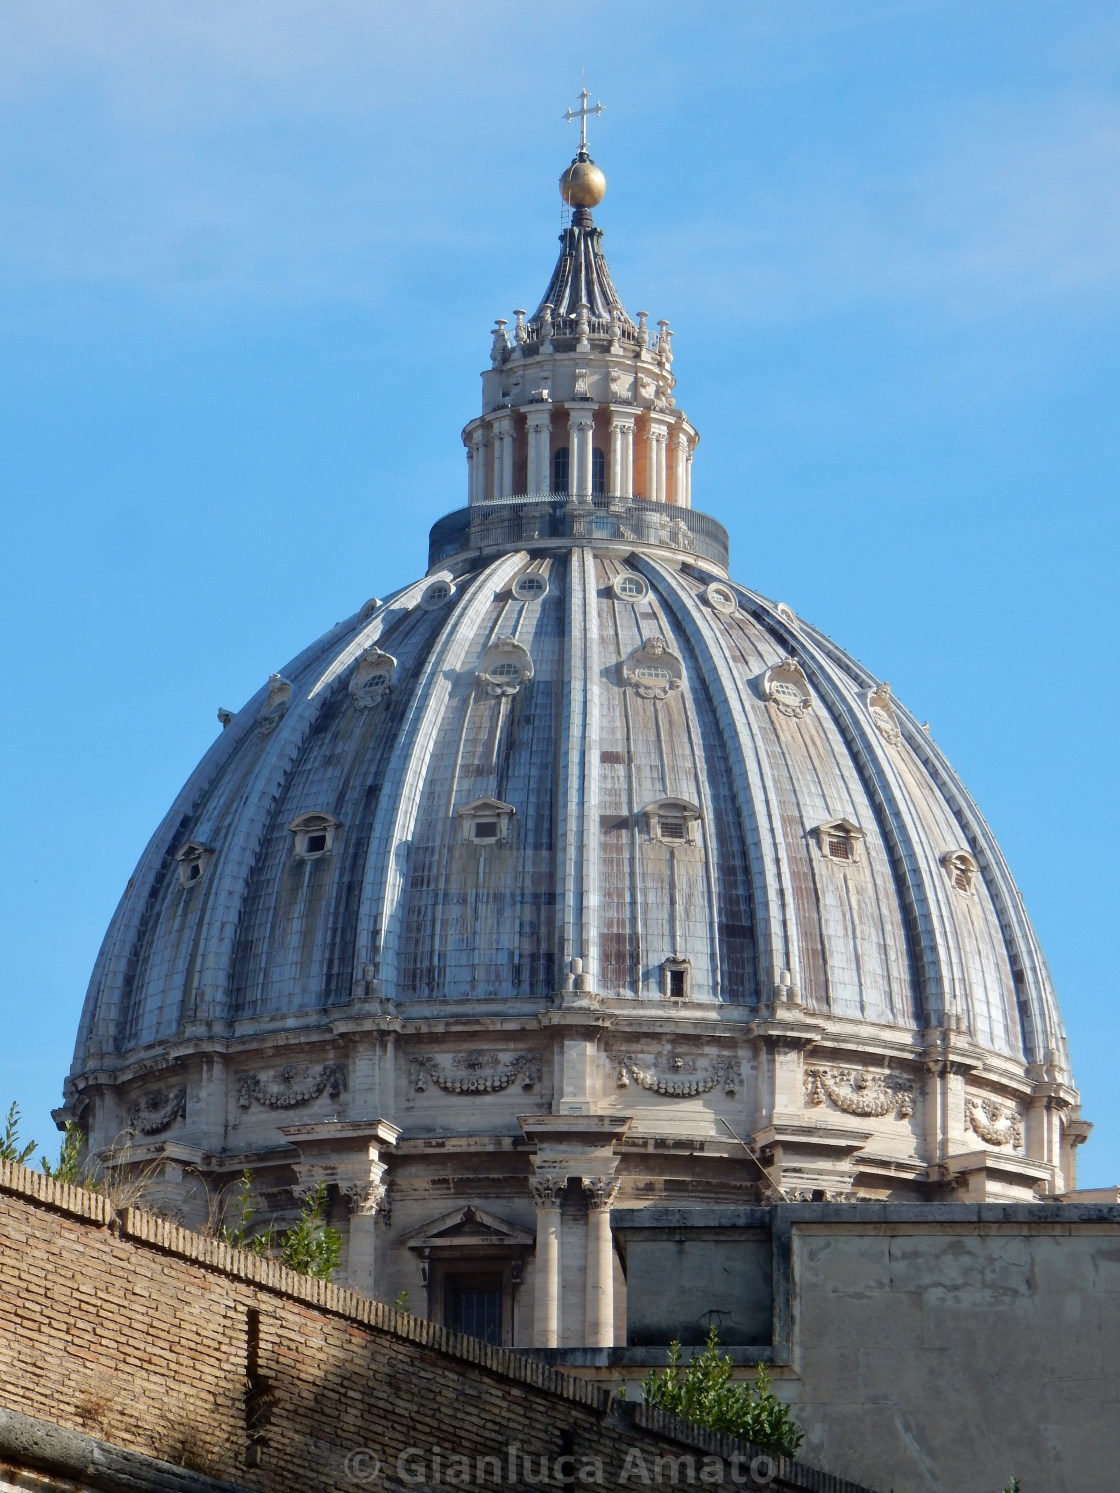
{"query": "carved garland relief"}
[(291, 1086), (157, 1111), (680, 1078), (997, 1124), (871, 1095), (476, 1072)]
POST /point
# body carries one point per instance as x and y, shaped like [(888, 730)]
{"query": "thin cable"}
[(754, 1158)]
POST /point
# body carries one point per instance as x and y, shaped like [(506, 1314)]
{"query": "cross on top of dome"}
[(582, 114)]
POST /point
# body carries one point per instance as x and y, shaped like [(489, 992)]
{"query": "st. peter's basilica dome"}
[(573, 871)]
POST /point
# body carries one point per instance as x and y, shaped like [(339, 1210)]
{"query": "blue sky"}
[(249, 257)]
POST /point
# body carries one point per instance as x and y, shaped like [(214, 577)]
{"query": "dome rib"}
[(579, 840), (383, 882), (777, 937)]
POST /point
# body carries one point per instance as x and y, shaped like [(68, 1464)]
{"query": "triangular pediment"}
[(469, 1226)]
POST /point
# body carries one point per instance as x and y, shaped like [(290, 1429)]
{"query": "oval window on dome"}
[(721, 598), (652, 674), (630, 587), (531, 586), (504, 671), (438, 594)]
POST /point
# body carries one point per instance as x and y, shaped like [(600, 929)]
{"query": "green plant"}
[(238, 1213), (401, 1302), (703, 1391), (311, 1246), (68, 1168), (10, 1148)]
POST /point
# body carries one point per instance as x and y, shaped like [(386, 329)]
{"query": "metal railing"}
[(519, 522)]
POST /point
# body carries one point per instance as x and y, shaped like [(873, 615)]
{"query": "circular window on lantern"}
[(721, 598), (438, 594), (530, 586), (630, 587)]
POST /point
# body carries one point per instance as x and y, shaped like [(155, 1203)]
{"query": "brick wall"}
[(161, 1341)]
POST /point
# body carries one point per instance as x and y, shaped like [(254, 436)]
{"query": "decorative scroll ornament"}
[(505, 667), (622, 386), (787, 689), (652, 671), (158, 1111), (367, 1198), (601, 1191), (882, 713), (372, 679), (998, 1124), (273, 710), (871, 1095), (479, 1071), (291, 1087), (548, 1189), (681, 1078)]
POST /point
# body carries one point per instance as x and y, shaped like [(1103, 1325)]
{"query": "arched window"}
[(598, 471), (560, 470)]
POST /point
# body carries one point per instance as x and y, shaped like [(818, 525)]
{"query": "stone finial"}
[(664, 345), (501, 343), (583, 327)]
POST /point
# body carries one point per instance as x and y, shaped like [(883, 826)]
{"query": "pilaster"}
[(621, 479), (581, 429), (538, 423)]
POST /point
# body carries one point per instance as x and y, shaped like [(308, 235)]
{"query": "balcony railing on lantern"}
[(539, 517)]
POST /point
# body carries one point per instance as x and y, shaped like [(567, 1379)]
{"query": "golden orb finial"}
[(583, 184)]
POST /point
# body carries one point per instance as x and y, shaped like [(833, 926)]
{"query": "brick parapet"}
[(130, 1325)]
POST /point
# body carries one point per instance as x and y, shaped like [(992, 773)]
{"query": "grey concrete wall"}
[(936, 1347)]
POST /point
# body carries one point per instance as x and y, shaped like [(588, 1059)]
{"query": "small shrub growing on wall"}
[(10, 1148), (703, 1391), (311, 1245)]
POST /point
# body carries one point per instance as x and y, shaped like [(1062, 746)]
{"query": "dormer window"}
[(676, 979), (372, 678), (653, 670), (437, 595), (839, 840), (672, 821), (787, 688), (961, 869), (530, 586), (721, 598), (193, 859), (314, 835), (505, 667), (630, 587), (486, 821)]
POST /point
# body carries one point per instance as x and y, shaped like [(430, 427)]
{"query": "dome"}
[(575, 861), (583, 749)]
